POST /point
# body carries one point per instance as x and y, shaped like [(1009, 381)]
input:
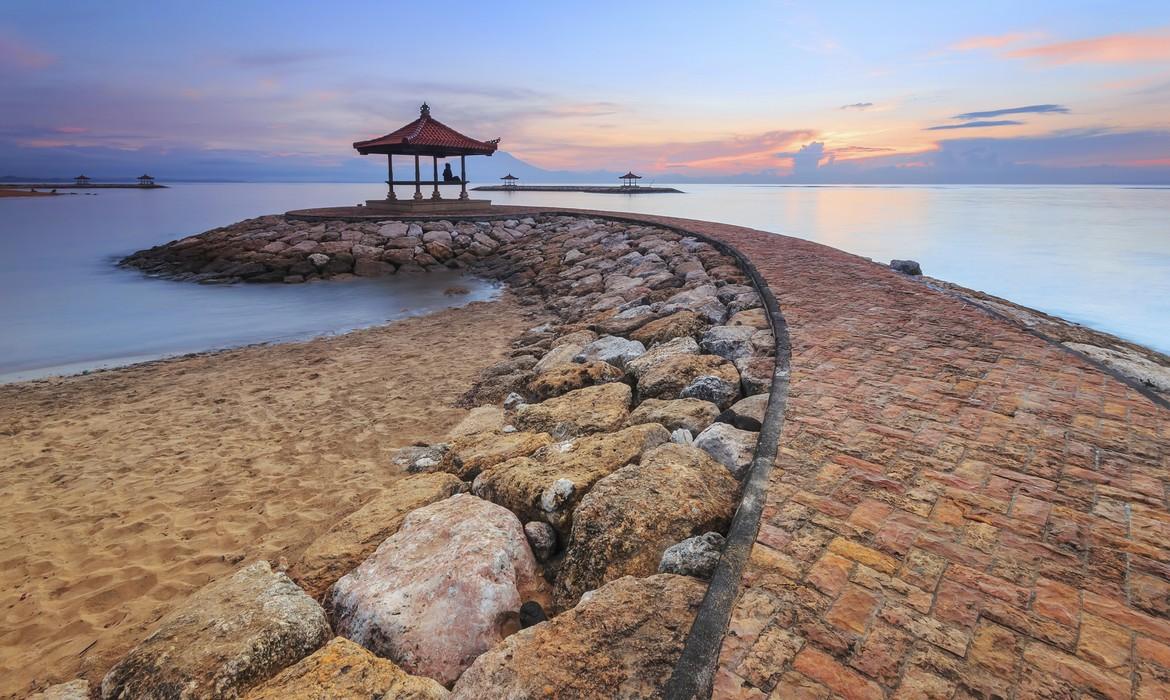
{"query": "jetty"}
[(593, 189)]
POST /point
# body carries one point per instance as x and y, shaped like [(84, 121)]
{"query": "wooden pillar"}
[(417, 181), (435, 162), (390, 177), (463, 177)]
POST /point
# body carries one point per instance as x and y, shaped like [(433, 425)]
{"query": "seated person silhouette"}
[(449, 176)]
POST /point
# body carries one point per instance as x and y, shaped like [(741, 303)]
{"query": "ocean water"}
[(1096, 255)]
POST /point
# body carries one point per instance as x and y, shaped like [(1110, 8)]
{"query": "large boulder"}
[(232, 634), (593, 409), (677, 325), (442, 590), (696, 556), (629, 518), (621, 641), (342, 669), (719, 390), (667, 379), (730, 446), (728, 342), (755, 374), (356, 536), (753, 318), (560, 355), (689, 414), (549, 485), (678, 346), (565, 378), (612, 349), (471, 454), (748, 413)]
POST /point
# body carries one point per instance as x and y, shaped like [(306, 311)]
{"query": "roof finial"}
[(424, 110)]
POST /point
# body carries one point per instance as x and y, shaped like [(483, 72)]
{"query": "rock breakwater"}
[(611, 436)]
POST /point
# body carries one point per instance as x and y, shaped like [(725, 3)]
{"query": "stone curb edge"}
[(694, 673)]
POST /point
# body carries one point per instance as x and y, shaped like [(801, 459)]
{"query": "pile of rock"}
[(274, 249), (591, 482)]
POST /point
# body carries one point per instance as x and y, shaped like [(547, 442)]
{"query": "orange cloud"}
[(977, 43), (1113, 48)]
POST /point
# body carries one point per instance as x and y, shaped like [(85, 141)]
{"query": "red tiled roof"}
[(427, 136)]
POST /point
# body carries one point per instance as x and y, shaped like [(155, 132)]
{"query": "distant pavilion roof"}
[(148, 177), (630, 176), (427, 136), (509, 176)]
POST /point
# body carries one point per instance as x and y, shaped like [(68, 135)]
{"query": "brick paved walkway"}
[(959, 509)]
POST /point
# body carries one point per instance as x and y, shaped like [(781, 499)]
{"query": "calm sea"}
[(1096, 255)]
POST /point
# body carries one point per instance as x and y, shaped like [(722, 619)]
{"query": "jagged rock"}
[(319, 260), (394, 229), (728, 342), (532, 613), (548, 485), (718, 390), (696, 556), (471, 454), (629, 518), (342, 669), (565, 378), (495, 388), (560, 355), (668, 378), (602, 408), (542, 538), (621, 641), (747, 414), (682, 436), (906, 267), (763, 343), (676, 325), (234, 633), (752, 318), (678, 346), (365, 267), (730, 446), (481, 419), (73, 690), (416, 458), (438, 593), (728, 292), (612, 349), (755, 374), (513, 400), (356, 536), (689, 414)]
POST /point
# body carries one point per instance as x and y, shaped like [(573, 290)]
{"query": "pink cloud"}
[(1113, 48), (978, 43), (16, 52)]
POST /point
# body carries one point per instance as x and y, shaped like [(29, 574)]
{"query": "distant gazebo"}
[(426, 136), (630, 179), (81, 181), (510, 181), (145, 181)]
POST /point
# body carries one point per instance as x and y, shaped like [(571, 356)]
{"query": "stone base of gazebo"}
[(426, 206)]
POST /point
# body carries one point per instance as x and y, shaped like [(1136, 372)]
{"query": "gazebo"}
[(510, 180), (628, 180), (81, 181), (425, 136), (145, 181)]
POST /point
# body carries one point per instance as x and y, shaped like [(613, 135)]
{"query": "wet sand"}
[(123, 491)]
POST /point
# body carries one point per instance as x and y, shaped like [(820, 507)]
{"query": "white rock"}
[(731, 447)]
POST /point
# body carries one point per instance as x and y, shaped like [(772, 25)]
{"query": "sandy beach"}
[(122, 492)]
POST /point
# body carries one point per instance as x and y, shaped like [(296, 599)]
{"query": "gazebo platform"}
[(425, 206)]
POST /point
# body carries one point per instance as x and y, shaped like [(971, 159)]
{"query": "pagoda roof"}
[(427, 136), (630, 175), (148, 177), (509, 176)]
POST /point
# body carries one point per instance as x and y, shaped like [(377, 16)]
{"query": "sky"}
[(1060, 92)]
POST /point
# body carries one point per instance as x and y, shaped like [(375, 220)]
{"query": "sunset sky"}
[(829, 91)]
